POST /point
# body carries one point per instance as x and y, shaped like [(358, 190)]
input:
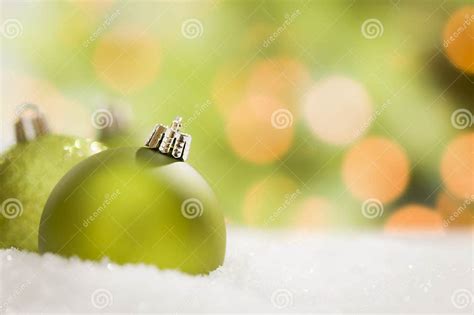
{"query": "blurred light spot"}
[(455, 213), (457, 166), (338, 110), (93, 8), (458, 39), (313, 213), (251, 134), (60, 111), (376, 168), (127, 60), (269, 202), (282, 77), (414, 217), (228, 87)]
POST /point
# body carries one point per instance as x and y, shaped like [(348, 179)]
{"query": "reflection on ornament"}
[(414, 217), (458, 39), (338, 110), (313, 213), (269, 202), (376, 168), (258, 131), (127, 60), (457, 166), (455, 213)]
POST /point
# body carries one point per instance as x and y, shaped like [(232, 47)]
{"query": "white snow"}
[(263, 272)]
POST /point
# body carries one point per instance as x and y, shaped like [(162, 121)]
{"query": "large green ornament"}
[(137, 205), (28, 173)]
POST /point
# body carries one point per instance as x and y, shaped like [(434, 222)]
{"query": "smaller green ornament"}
[(137, 205), (28, 173)]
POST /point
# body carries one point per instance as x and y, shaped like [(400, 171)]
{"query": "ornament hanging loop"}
[(30, 123), (170, 141)]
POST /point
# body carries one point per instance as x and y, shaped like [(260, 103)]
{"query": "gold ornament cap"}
[(170, 140)]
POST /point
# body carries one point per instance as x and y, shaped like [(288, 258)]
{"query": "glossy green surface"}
[(28, 173), (135, 206)]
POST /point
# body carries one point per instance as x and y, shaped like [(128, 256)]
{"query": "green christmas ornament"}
[(137, 205), (28, 173)]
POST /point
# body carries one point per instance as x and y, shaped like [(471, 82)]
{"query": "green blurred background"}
[(304, 114)]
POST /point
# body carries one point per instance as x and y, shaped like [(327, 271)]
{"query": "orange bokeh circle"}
[(455, 213), (282, 77), (260, 129), (127, 60), (414, 217), (376, 168), (313, 213), (458, 39), (457, 166)]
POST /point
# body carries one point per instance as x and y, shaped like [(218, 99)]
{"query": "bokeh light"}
[(377, 168), (414, 217), (59, 109), (228, 86), (455, 213), (282, 77), (338, 110), (254, 132), (458, 39), (457, 166), (269, 202), (313, 213), (127, 59)]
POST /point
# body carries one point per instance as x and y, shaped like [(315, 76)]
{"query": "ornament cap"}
[(30, 123), (170, 141)]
